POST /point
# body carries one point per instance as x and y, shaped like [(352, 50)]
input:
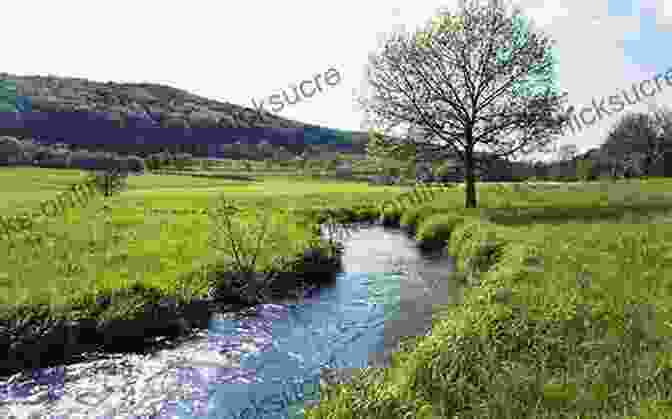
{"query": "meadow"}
[(567, 311), (154, 235)]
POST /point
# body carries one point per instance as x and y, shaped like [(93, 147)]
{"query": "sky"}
[(240, 51)]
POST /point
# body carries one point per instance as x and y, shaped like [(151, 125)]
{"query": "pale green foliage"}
[(541, 79), (440, 24)]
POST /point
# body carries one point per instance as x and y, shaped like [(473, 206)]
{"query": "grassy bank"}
[(568, 313)]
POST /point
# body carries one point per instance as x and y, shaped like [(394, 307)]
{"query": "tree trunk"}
[(648, 162), (469, 180)]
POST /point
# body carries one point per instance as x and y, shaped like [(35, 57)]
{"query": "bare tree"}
[(639, 140), (465, 83)]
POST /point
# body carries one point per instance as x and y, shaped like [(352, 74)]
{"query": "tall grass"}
[(569, 318)]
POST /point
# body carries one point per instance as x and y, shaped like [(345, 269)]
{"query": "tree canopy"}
[(640, 139)]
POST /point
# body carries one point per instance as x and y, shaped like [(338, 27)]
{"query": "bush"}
[(584, 170), (413, 216), (391, 214), (393, 172), (11, 150), (437, 228)]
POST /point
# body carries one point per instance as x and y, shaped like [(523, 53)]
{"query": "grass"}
[(26, 187), (571, 318)]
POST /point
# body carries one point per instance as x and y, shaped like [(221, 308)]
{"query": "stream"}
[(265, 362)]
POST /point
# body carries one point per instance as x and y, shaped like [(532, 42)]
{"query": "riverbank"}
[(568, 313)]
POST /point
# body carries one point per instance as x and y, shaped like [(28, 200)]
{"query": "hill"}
[(123, 117)]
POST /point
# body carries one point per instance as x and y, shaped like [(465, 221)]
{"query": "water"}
[(263, 363)]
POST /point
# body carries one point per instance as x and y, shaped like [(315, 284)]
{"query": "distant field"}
[(25, 187)]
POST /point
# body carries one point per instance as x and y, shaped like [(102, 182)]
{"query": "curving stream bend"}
[(262, 363)]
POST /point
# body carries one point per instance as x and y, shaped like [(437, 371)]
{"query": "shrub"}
[(393, 172), (391, 214), (413, 216), (438, 228), (584, 170), (248, 247)]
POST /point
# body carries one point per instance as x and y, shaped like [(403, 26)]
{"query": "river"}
[(265, 362)]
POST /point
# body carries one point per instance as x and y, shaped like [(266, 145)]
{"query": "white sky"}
[(237, 51)]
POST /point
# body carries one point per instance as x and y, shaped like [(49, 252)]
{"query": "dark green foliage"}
[(11, 150)]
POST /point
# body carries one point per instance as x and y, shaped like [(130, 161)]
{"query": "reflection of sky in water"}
[(51, 377), (337, 330)]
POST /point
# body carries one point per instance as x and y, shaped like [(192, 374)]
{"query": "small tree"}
[(640, 140)]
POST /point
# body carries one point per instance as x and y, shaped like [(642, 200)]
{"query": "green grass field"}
[(65, 259), (567, 313)]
